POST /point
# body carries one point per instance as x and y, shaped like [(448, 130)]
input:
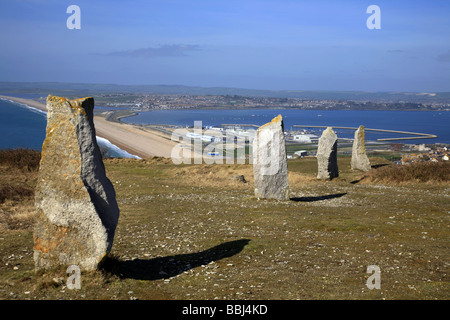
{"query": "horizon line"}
[(223, 87)]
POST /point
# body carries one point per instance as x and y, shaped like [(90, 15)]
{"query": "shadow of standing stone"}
[(167, 267), (77, 212)]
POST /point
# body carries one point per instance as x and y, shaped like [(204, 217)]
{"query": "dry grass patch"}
[(18, 175), (215, 175), (16, 217), (422, 172), (15, 192), (24, 159), (299, 179)]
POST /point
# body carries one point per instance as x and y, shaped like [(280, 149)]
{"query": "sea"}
[(428, 122), (24, 127)]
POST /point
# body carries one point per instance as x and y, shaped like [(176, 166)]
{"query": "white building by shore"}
[(306, 138)]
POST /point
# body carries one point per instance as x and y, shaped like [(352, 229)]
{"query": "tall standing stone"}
[(327, 155), (270, 161), (360, 161), (77, 212)]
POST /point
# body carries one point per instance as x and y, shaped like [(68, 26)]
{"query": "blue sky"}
[(265, 44)]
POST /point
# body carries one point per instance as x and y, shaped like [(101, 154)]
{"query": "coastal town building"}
[(435, 154), (306, 138)]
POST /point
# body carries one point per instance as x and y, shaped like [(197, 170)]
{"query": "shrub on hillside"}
[(24, 159), (15, 193), (438, 172)]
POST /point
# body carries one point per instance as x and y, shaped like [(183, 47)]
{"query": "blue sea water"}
[(24, 127), (430, 122), (21, 126)]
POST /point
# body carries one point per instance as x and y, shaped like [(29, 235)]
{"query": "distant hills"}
[(86, 89)]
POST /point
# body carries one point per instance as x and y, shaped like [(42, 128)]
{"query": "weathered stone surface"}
[(360, 161), (270, 162), (76, 208), (327, 155)]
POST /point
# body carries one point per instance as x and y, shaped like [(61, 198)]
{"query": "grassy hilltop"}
[(195, 232)]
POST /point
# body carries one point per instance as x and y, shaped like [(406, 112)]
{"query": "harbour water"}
[(24, 127), (429, 122)]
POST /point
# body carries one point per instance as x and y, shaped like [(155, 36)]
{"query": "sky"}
[(252, 44)]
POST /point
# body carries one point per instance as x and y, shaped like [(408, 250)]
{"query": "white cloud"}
[(175, 50)]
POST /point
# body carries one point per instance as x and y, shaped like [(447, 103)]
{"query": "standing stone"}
[(327, 155), (270, 161), (77, 212), (360, 161)]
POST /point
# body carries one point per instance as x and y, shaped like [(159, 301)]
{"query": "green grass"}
[(192, 232)]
